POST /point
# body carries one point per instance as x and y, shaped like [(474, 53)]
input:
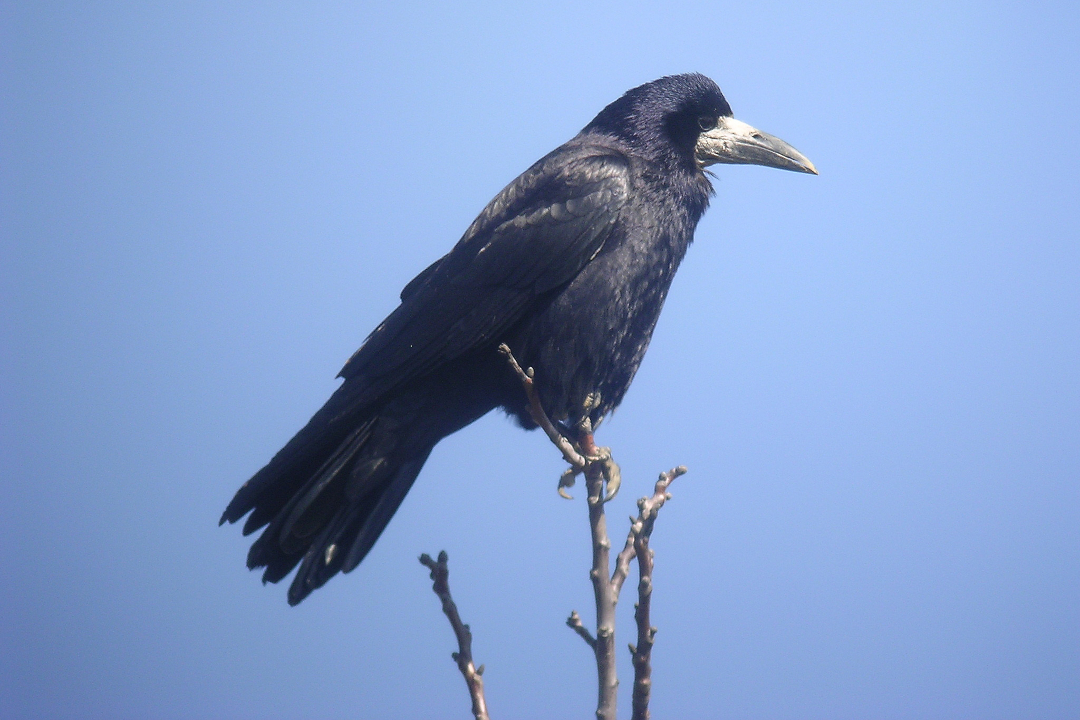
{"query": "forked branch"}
[(640, 532), (600, 469)]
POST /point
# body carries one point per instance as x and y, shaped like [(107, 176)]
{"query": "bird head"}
[(686, 118)]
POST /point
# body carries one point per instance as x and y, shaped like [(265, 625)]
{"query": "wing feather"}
[(534, 237)]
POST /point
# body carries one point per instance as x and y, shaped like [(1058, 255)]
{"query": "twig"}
[(641, 530), (622, 561), (575, 624), (440, 574), (539, 416)]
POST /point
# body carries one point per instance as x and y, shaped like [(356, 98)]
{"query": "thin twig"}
[(440, 574), (540, 417), (641, 530), (622, 561), (575, 624)]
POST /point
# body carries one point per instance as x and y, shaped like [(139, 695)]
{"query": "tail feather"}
[(279, 567), (327, 496), (322, 561), (271, 549), (349, 537), (314, 504), (381, 513), (275, 485), (323, 507)]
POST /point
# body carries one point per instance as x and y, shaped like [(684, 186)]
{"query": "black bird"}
[(569, 266)]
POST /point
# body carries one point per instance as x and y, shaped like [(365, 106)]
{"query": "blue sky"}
[(872, 375)]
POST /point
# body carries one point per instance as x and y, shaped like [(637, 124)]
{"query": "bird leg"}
[(601, 455)]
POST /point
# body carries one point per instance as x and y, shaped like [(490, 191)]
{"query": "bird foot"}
[(566, 480), (601, 455), (593, 454), (612, 473)]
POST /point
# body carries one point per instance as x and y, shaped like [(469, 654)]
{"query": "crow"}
[(569, 266)]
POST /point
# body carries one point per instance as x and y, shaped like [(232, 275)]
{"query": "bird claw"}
[(602, 456), (567, 479), (592, 454), (612, 475)]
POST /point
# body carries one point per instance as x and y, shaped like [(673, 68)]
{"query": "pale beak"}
[(733, 141)]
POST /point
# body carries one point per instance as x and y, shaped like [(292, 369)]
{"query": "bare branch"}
[(600, 469), (540, 417), (648, 508), (622, 562), (440, 574), (606, 597), (575, 624), (640, 532)]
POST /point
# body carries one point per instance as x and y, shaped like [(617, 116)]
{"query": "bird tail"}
[(325, 498)]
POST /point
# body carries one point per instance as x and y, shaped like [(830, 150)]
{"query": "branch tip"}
[(575, 624), (440, 575)]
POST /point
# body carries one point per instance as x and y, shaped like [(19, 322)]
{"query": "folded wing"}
[(534, 237)]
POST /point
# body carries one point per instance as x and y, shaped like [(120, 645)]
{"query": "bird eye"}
[(706, 123)]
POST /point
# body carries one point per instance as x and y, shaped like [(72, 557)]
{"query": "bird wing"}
[(534, 237)]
